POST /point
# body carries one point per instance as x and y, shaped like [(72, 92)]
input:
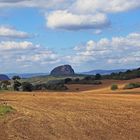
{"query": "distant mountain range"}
[(104, 72), (26, 75), (93, 72)]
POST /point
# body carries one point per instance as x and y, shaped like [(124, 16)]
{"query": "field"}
[(92, 113)]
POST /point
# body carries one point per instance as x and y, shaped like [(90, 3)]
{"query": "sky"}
[(36, 36)]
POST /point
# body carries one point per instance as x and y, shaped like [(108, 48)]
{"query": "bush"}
[(16, 77), (67, 80), (26, 86), (40, 87), (98, 77), (87, 78), (77, 80), (57, 85), (114, 87), (132, 86), (97, 82)]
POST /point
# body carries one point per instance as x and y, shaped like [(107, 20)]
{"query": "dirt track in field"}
[(98, 114)]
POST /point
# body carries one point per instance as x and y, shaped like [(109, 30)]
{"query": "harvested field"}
[(95, 114)]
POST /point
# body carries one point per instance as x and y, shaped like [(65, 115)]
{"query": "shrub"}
[(56, 82), (26, 86), (132, 86), (56, 85), (16, 77), (114, 87), (77, 80), (98, 76), (4, 84), (87, 78), (40, 86), (67, 80)]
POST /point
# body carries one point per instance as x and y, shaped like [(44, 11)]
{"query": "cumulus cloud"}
[(88, 14), (49, 4), (79, 5), (25, 54), (118, 50), (112, 6), (70, 21), (8, 32), (76, 14)]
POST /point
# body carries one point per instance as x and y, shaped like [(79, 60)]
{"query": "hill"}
[(27, 75), (104, 72), (4, 77), (64, 70)]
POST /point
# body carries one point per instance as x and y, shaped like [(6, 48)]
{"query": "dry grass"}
[(99, 114)]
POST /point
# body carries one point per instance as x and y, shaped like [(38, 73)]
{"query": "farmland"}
[(91, 114)]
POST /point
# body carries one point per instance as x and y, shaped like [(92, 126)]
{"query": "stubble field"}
[(91, 114)]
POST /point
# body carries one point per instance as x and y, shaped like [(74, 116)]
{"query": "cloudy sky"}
[(36, 36)]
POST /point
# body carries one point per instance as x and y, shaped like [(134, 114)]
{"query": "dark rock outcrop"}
[(4, 77), (63, 70)]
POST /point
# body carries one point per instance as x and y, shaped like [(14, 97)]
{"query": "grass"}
[(5, 109)]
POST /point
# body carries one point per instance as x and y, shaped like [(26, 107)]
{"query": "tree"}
[(4, 84), (67, 80), (98, 77), (26, 86), (16, 84), (16, 77)]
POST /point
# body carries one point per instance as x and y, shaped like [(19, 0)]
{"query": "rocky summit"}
[(62, 70)]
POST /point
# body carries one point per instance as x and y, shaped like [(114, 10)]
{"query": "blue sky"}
[(37, 36)]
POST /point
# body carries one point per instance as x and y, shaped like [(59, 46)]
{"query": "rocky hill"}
[(63, 70)]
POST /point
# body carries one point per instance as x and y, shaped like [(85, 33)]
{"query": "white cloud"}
[(88, 14), (118, 50), (8, 32), (106, 6), (16, 55), (49, 4), (69, 21), (76, 14), (14, 46)]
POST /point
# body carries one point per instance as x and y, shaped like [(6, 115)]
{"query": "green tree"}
[(16, 77), (26, 86), (17, 83), (98, 77)]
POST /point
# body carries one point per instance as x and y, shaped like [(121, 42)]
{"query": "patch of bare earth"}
[(98, 114)]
